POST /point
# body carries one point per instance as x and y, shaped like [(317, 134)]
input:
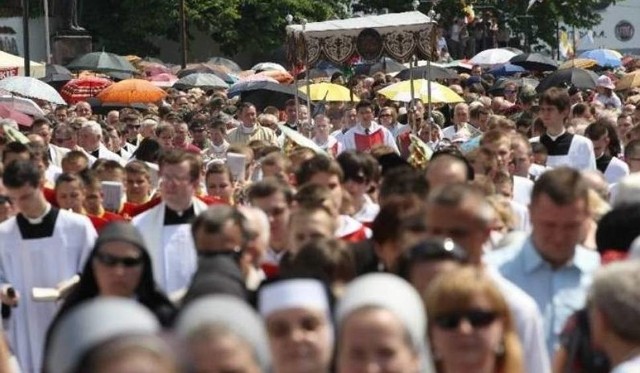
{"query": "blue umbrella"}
[(506, 69), (604, 57)]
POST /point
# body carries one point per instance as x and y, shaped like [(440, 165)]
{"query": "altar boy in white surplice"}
[(166, 228), (40, 247)]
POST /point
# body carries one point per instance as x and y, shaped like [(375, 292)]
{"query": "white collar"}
[(39, 219), (248, 130), (554, 138)]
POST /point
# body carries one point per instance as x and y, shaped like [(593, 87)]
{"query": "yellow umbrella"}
[(402, 92), (328, 92), (628, 81), (581, 63)]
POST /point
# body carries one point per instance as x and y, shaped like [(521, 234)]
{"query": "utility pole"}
[(25, 35)]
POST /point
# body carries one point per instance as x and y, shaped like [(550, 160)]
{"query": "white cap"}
[(295, 293), (92, 323), (395, 295), (230, 312)]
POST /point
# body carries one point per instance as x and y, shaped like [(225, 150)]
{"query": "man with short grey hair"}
[(90, 139), (614, 314)]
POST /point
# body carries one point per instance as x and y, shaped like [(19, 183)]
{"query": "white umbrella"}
[(23, 105), (32, 88), (267, 66), (493, 56)]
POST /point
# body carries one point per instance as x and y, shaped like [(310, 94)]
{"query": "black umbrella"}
[(565, 78), (102, 62), (263, 93), (56, 75), (98, 107), (534, 62), (424, 72)]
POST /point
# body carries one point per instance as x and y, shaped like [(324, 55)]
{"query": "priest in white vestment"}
[(166, 228), (40, 247)]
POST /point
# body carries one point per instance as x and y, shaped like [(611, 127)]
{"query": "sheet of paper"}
[(237, 165), (112, 191)]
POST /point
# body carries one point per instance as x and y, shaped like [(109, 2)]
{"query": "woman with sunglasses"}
[(119, 266), (471, 327)]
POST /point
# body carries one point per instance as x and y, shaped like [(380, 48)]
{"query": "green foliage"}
[(123, 26)]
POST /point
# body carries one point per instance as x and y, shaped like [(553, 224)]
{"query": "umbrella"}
[(628, 81), (300, 139), (256, 77), (23, 105), (200, 80), (7, 112), (459, 65), (494, 56), (402, 92), (264, 93), (56, 74), (534, 62), (581, 63), (163, 80), (323, 69), (267, 66), (506, 70), (99, 107), (221, 61), (498, 86), (329, 92), (101, 62), (604, 57), (32, 88), (82, 88), (131, 91), (282, 77), (573, 77), (207, 69), (435, 72), (153, 68)]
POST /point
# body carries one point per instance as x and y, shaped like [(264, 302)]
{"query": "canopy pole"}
[(413, 94), (47, 32), (309, 119), (429, 87)]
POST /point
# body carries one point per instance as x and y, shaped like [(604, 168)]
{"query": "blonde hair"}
[(454, 291)]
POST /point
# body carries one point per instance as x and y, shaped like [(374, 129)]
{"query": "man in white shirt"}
[(90, 139), (600, 133), (166, 228), (367, 133), (563, 148), (460, 123)]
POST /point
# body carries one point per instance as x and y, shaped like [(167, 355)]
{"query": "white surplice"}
[(171, 247), (40, 262)]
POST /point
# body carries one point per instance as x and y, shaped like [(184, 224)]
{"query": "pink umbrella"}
[(152, 69), (163, 80), (9, 113), (258, 77)]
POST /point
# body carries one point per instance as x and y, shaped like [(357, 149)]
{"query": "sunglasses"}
[(477, 319), (4, 199), (113, 261)]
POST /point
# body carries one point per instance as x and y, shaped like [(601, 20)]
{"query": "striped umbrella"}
[(80, 89)]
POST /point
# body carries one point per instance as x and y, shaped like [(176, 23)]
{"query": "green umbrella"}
[(101, 62)]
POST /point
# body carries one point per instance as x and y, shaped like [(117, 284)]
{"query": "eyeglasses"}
[(509, 91), (477, 319), (384, 115), (4, 199), (113, 261)]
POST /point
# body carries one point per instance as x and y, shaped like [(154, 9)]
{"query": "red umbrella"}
[(8, 113), (77, 90)]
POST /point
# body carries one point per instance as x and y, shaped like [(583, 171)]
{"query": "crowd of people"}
[(199, 235)]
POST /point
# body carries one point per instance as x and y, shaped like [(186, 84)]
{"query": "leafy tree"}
[(123, 26)]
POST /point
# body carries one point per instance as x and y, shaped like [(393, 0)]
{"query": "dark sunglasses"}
[(113, 261), (477, 319), (4, 199)]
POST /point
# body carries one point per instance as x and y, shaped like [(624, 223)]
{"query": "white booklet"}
[(54, 294), (113, 192)]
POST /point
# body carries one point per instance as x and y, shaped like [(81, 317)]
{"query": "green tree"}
[(123, 26)]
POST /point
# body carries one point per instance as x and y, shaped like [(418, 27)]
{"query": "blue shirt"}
[(558, 292)]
